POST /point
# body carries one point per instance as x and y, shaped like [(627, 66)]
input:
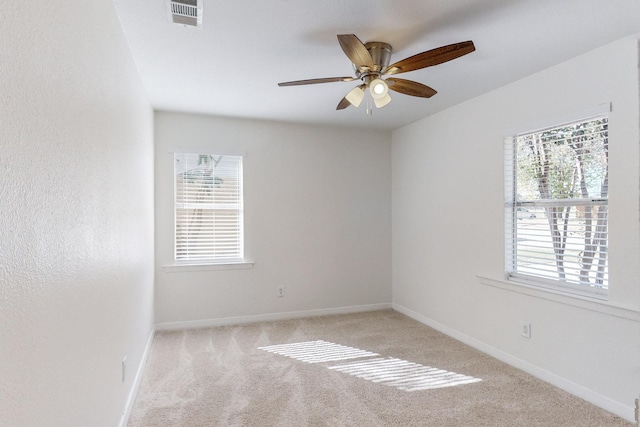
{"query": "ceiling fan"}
[(371, 63)]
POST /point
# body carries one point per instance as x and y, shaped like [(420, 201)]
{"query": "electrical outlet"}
[(124, 368), (525, 329), (280, 291)]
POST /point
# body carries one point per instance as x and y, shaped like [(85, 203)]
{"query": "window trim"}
[(524, 281), (186, 265), (212, 266), (560, 297)]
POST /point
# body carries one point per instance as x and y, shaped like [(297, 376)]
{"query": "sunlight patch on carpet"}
[(407, 376), (317, 351), (404, 375)]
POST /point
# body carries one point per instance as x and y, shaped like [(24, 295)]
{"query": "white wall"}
[(317, 219), (448, 228), (76, 215)]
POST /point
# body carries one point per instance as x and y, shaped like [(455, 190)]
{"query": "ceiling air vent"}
[(185, 12)]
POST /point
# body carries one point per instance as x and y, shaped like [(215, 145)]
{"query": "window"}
[(556, 196), (208, 208)]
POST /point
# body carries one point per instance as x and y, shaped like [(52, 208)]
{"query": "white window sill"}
[(185, 267), (558, 296)]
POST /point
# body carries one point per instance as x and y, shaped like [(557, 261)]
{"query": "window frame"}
[(513, 205), (208, 263)]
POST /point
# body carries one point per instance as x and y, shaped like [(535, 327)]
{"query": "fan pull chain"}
[(369, 109)]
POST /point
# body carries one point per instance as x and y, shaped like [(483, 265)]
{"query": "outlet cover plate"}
[(525, 330)]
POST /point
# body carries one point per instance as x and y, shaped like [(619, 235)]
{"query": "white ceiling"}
[(232, 64)]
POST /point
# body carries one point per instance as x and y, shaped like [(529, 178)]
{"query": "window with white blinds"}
[(208, 208), (557, 206)]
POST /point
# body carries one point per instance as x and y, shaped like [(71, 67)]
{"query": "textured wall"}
[(317, 219), (76, 214), (448, 227)]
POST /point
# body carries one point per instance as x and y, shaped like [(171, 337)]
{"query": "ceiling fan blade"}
[(431, 57), (344, 103), (409, 87), (355, 50), (315, 81)]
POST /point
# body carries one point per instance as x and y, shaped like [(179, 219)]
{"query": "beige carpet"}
[(366, 369)]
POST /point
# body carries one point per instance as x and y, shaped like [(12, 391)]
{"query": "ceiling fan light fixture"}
[(378, 89), (381, 102), (355, 96)]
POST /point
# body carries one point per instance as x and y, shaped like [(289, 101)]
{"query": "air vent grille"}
[(185, 12)]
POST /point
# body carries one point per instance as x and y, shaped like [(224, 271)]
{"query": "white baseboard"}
[(623, 411), (124, 420), (238, 320)]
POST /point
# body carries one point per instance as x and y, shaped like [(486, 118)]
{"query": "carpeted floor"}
[(367, 369)]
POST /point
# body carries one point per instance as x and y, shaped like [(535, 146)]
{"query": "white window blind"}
[(556, 205), (208, 208)]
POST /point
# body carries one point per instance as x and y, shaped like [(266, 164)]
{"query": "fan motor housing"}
[(380, 53)]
